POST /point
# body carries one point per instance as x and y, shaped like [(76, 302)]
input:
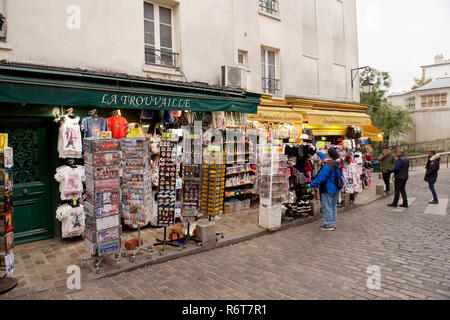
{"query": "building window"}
[(434, 100), (270, 83), (3, 18), (268, 6), (158, 29), (411, 103)]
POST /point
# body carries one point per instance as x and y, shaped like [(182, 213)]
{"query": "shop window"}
[(158, 35), (268, 6), (270, 83), (3, 20)]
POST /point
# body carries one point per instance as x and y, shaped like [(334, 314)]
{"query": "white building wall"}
[(437, 71), (316, 40)]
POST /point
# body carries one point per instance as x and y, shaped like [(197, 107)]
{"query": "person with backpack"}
[(330, 182), (431, 175)]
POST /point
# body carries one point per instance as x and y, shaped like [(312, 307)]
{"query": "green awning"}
[(36, 86)]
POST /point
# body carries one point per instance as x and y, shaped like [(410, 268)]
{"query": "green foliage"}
[(420, 82), (392, 120)]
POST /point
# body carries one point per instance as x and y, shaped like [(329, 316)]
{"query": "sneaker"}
[(325, 228), (433, 202), (392, 205)]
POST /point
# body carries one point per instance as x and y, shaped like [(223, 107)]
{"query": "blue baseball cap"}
[(321, 155)]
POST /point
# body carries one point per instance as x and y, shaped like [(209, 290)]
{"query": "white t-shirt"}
[(358, 158), (70, 181), (69, 139), (72, 220)]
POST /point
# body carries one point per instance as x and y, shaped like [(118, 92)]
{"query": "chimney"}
[(439, 59)]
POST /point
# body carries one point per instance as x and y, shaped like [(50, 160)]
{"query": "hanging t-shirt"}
[(118, 126), (72, 220), (69, 138), (70, 181), (91, 125)]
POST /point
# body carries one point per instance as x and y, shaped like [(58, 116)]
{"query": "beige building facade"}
[(430, 110), (303, 48)]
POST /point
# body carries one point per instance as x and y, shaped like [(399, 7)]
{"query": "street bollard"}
[(206, 233), (379, 189), (316, 208)]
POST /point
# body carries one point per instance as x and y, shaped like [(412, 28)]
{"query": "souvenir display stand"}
[(7, 283), (300, 173), (102, 225), (213, 184), (191, 197), (239, 177), (137, 199), (167, 195), (274, 185)]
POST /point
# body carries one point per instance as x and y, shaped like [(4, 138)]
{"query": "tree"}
[(392, 120), (420, 82)]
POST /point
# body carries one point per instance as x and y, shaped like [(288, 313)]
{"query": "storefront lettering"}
[(151, 101)]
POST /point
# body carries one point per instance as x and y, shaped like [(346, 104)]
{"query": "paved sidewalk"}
[(42, 266), (411, 248)]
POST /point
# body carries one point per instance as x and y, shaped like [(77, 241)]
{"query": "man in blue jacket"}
[(329, 191)]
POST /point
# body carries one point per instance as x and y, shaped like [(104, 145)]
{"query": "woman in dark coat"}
[(432, 173)]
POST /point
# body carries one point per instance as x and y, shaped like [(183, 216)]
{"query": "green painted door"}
[(33, 219)]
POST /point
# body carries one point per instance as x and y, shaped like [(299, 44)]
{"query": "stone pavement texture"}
[(411, 248)]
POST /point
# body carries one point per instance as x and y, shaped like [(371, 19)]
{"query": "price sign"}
[(268, 149), (214, 148), (3, 141), (277, 141), (292, 140), (320, 144), (104, 135)]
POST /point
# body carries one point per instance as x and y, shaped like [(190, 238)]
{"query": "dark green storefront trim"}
[(37, 86)]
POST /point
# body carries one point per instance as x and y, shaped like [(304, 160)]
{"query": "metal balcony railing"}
[(163, 57), (268, 6), (270, 85)]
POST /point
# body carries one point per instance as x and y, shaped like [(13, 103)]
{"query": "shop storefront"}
[(32, 98)]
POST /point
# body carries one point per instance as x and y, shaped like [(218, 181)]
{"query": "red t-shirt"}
[(118, 126)]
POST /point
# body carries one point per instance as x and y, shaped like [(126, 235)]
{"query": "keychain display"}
[(167, 181)]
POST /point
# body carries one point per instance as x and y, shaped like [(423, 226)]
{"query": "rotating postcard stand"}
[(191, 198), (168, 173), (102, 224), (137, 199)]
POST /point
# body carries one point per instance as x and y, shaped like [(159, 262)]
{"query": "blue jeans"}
[(329, 208), (433, 191)]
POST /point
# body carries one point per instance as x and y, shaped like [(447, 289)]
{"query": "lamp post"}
[(367, 85)]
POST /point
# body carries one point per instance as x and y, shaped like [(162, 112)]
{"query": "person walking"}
[(431, 175), (387, 164), (330, 181), (401, 176)]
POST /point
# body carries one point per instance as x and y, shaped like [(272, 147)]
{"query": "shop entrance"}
[(33, 219)]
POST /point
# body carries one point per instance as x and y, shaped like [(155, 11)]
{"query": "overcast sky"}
[(399, 36)]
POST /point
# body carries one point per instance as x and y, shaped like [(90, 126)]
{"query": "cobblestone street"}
[(410, 246)]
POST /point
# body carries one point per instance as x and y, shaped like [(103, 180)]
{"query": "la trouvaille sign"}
[(152, 101)]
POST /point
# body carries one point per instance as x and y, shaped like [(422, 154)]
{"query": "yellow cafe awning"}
[(327, 130), (372, 132), (277, 114), (338, 118)]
